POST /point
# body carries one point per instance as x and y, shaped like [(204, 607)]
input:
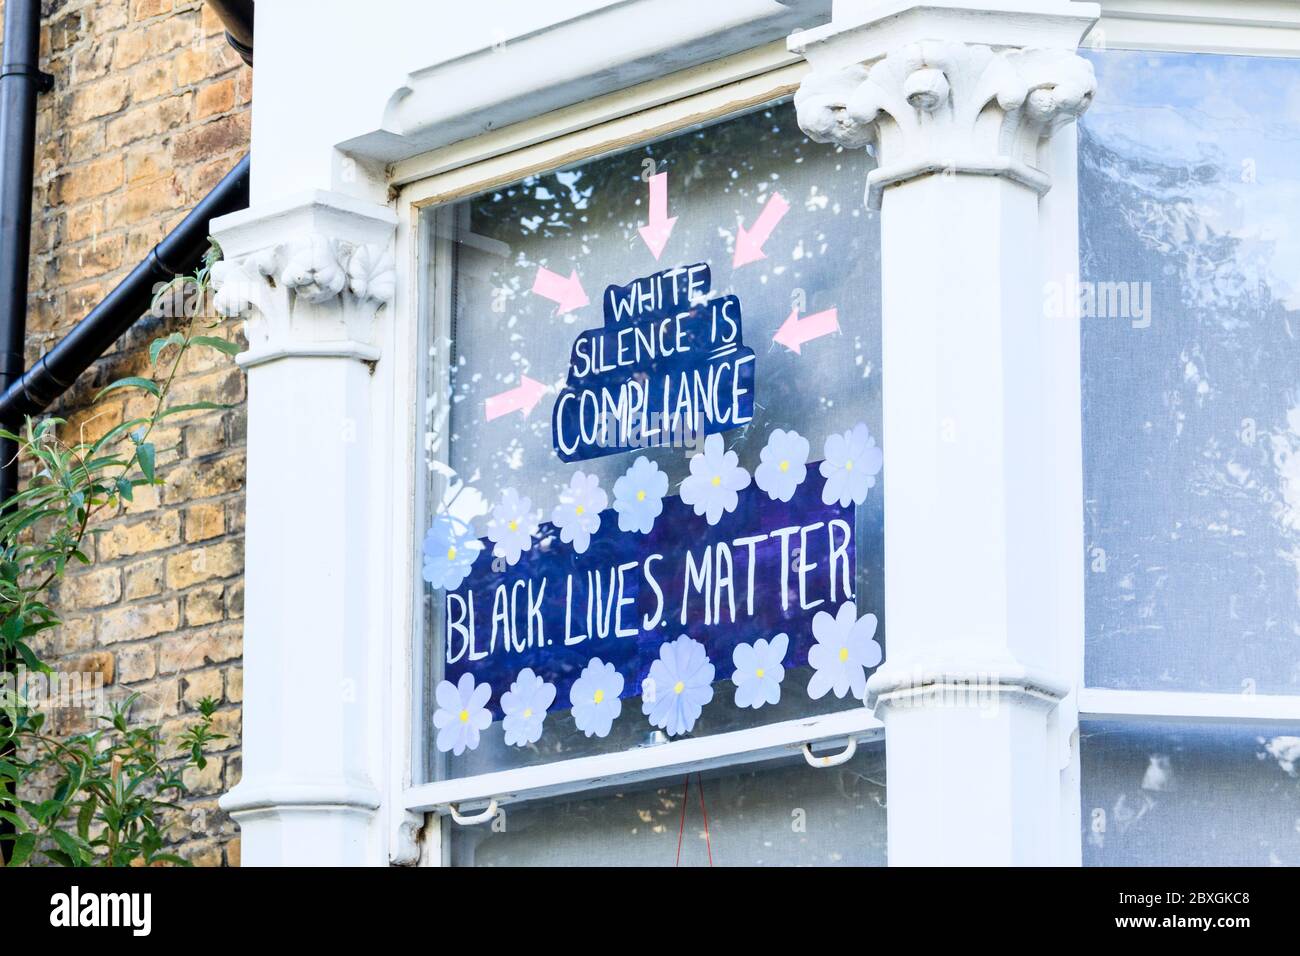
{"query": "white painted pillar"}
[(312, 275), (959, 101)]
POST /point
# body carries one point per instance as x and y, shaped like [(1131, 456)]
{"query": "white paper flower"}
[(782, 464), (851, 463), (578, 513), (843, 652), (715, 479), (449, 552), (594, 698), (639, 496), (525, 705), (679, 685), (462, 713), (512, 526), (759, 671)]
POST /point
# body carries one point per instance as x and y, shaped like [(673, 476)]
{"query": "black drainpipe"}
[(20, 80)]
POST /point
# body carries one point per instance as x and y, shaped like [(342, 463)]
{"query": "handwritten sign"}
[(766, 568), (668, 365)]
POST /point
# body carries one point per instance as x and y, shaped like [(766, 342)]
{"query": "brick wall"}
[(149, 111)]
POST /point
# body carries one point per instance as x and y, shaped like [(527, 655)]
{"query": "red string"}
[(708, 841), (681, 828)]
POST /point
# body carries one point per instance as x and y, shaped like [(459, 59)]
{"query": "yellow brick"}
[(233, 847), (187, 652), (189, 481), (143, 9), (205, 564), (197, 685), (100, 98), (204, 521), (89, 589), (143, 579), (235, 684), (217, 97), (137, 662), (203, 606), (137, 621), (143, 201), (90, 180), (151, 534)]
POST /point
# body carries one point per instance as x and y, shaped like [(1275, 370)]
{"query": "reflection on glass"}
[(1190, 796), (791, 815), (487, 329), (1189, 289)]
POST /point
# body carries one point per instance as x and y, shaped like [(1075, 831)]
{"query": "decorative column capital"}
[(310, 274), (976, 102)]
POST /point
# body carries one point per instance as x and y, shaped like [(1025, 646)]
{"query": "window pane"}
[(1190, 195), (698, 554), (1190, 796), (793, 815)]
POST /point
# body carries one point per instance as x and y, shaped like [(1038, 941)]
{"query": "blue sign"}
[(764, 569), (669, 365)]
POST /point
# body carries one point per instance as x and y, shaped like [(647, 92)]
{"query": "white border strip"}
[(647, 763), (1097, 703)]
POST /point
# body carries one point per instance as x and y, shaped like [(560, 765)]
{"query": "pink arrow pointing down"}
[(749, 243), (567, 294), (794, 332), (656, 232), (524, 398)]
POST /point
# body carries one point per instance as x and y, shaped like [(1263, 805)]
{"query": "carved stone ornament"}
[(947, 107), (314, 295)]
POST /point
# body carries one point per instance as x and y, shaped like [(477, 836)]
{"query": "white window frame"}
[(1268, 28), (713, 92), (717, 92)]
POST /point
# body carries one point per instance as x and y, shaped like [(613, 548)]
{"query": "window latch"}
[(474, 819), (831, 760)]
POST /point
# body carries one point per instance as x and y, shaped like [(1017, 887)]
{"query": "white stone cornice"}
[(945, 87), (947, 107), (311, 275)]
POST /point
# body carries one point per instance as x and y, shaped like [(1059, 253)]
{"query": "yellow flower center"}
[(513, 525), (785, 466), (679, 687), (528, 712), (848, 465), (464, 716), (760, 672), (600, 695), (717, 480), (451, 553), (844, 653), (640, 496), (579, 510)]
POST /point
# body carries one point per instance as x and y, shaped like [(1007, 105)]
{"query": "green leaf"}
[(145, 452), (169, 858), (87, 816), (68, 845), (195, 407), (125, 489), (131, 381), (156, 347), (23, 848), (221, 345)]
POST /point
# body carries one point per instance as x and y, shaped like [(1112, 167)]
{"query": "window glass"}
[(790, 815), (654, 481), (1190, 282), (1179, 795)]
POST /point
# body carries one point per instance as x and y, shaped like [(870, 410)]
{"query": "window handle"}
[(475, 818), (831, 760)]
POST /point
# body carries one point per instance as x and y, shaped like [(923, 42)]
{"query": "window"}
[(1189, 191), (653, 493)]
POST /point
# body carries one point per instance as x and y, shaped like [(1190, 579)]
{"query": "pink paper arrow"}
[(794, 332), (656, 232), (523, 398), (567, 294), (749, 244)]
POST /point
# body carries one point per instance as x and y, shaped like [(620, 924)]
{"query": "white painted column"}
[(312, 275), (959, 101)]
